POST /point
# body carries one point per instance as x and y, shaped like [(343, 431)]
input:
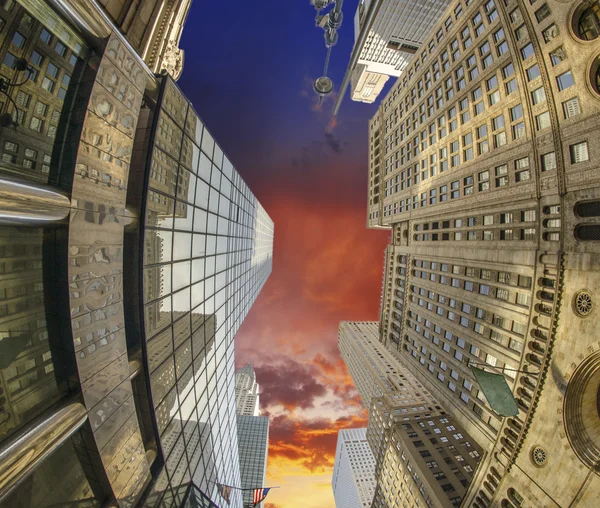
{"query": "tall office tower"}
[(408, 428), (253, 432), (246, 391), (353, 481), (131, 252), (387, 33), (153, 28), (482, 165), (253, 445)]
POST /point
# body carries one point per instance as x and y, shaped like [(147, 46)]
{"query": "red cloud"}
[(309, 442)]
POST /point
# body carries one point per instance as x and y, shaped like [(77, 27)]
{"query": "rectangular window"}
[(571, 108), (542, 13), (518, 130), (579, 152), (542, 120), (45, 36), (565, 80), (538, 95), (527, 51), (533, 72), (516, 112), (511, 86), (549, 161), (557, 56)]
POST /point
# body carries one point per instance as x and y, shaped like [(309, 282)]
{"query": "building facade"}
[(153, 28), (253, 445), (483, 166), (387, 34), (353, 481), (131, 252), (409, 431), (246, 391)]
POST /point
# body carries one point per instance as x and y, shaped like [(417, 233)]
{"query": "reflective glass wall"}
[(207, 252), (42, 61)]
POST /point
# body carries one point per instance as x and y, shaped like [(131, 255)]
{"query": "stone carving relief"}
[(172, 60)]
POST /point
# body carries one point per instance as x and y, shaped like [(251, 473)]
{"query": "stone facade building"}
[(153, 28), (485, 167), (421, 454)]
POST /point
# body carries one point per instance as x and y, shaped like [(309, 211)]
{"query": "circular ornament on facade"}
[(538, 456), (585, 21), (594, 76), (582, 303)]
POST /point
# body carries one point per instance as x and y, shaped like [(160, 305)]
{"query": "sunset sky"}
[(249, 68)]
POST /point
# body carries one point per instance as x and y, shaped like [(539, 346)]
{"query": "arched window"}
[(588, 209), (587, 21), (515, 497), (588, 232)]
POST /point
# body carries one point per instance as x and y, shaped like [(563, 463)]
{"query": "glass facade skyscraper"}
[(207, 253), (131, 251)]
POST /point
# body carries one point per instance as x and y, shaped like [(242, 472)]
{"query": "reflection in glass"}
[(58, 481), (221, 242)]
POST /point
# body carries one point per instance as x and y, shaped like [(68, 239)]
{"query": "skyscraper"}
[(131, 251), (253, 433), (253, 445), (387, 33), (408, 429), (246, 391), (481, 164), (353, 481)]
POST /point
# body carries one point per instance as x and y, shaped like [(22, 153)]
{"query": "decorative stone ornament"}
[(582, 303), (538, 456)]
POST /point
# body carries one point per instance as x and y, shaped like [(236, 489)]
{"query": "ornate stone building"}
[(485, 167), (421, 453), (153, 28)]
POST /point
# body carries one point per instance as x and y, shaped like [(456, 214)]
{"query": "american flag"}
[(259, 495)]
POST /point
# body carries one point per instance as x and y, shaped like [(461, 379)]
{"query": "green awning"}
[(497, 392)]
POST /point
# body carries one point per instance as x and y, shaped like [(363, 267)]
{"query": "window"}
[(18, 40), (511, 86), (542, 120), (542, 13), (565, 80), (60, 49), (9, 60), (36, 59), (557, 56), (538, 95), (508, 71), (518, 130), (588, 23), (516, 112), (501, 175), (48, 85), (571, 108), (46, 36), (527, 51), (550, 33), (36, 124), (23, 99), (579, 152), (533, 72)]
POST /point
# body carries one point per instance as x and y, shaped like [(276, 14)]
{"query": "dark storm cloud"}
[(289, 384)]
